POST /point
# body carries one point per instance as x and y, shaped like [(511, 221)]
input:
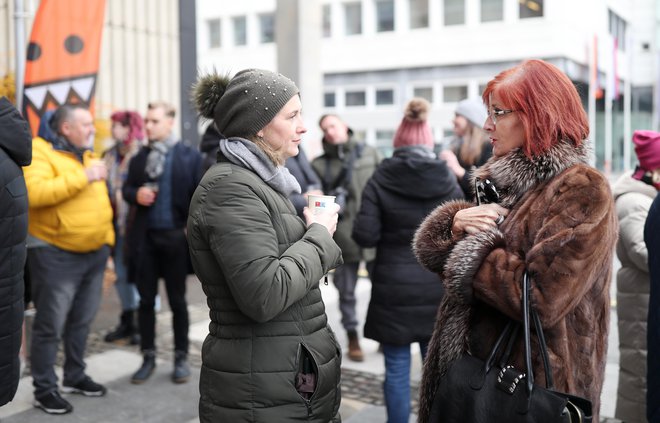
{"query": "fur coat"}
[(562, 228)]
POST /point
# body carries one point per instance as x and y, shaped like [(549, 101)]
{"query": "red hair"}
[(546, 101), (131, 119)]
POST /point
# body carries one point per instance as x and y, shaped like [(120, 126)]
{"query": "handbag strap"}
[(528, 311)]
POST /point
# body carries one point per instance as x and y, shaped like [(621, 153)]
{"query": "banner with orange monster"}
[(62, 56)]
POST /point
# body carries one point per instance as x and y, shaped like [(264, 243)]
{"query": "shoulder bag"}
[(474, 391)]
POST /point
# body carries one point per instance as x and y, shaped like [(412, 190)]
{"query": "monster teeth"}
[(60, 91)]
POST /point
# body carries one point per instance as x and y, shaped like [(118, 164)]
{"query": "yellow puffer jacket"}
[(65, 210)]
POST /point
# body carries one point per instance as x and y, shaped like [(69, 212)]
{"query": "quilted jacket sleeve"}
[(241, 231)]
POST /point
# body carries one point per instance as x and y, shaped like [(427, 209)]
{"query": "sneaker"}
[(53, 403), (86, 387)]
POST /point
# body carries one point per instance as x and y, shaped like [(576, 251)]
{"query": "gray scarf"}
[(156, 158), (246, 154)]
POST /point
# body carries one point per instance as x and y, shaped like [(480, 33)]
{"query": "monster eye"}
[(73, 44), (33, 51)]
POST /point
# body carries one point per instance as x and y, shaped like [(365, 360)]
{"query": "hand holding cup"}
[(323, 210)]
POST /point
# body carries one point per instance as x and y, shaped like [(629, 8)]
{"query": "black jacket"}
[(186, 174), (209, 146), (302, 170), (404, 295), (652, 240), (15, 151)]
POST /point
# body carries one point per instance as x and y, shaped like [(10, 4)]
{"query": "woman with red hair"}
[(540, 208), (127, 134)]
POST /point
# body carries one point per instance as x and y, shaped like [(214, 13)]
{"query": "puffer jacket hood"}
[(405, 174), (15, 136)]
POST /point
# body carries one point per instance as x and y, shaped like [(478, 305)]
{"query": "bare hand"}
[(478, 219), (145, 196), (96, 171), (452, 163), (327, 218)]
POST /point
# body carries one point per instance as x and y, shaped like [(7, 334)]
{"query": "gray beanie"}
[(473, 110), (245, 104)]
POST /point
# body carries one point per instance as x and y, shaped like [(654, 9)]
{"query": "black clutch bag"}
[(474, 391)]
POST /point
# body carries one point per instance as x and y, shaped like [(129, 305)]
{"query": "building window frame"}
[(385, 12), (214, 28), (239, 34), (352, 24), (266, 28)]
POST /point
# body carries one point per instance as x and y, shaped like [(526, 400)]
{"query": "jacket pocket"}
[(307, 374)]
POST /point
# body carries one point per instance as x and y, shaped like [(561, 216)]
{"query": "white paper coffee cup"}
[(320, 203)]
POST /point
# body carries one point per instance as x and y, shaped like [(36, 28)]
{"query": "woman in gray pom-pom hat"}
[(270, 355)]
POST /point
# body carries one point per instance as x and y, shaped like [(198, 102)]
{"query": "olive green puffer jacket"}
[(260, 268)]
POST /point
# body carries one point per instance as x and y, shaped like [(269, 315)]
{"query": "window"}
[(492, 10), (384, 97), (384, 15), (384, 139), (454, 12), (267, 27), (419, 14), (454, 93), (531, 8), (329, 100), (618, 29), (356, 98), (240, 30), (327, 20), (214, 33), (353, 18), (424, 92)]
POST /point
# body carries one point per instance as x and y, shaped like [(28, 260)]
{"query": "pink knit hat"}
[(647, 148), (414, 129)]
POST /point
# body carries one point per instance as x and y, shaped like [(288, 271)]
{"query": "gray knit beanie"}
[(473, 109), (243, 105)]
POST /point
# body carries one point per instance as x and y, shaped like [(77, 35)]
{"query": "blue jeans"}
[(397, 381), (126, 290)]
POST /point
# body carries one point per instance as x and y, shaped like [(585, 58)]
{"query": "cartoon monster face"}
[(62, 56)]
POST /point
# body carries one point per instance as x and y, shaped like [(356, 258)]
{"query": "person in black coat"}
[(162, 178), (309, 181), (652, 240), (15, 151), (404, 295), (209, 146)]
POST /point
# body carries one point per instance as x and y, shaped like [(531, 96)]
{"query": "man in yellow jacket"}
[(69, 241)]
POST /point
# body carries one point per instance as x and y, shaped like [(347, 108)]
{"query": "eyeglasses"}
[(495, 113)]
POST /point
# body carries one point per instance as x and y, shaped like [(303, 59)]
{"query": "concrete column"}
[(298, 39)]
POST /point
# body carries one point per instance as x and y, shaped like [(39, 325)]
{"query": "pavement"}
[(160, 400)]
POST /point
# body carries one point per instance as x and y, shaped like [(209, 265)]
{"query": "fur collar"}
[(515, 174)]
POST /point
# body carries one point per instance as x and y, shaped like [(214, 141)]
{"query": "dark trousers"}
[(165, 256), (66, 293)]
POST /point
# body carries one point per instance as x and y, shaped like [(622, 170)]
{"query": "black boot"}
[(123, 330), (181, 372), (147, 368), (133, 330)]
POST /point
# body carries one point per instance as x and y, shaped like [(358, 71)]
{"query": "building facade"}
[(377, 54)]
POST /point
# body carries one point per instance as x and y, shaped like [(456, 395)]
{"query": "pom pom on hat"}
[(245, 104), (207, 91), (647, 148), (414, 128), (473, 110)]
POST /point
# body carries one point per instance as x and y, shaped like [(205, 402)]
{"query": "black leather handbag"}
[(474, 391)]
